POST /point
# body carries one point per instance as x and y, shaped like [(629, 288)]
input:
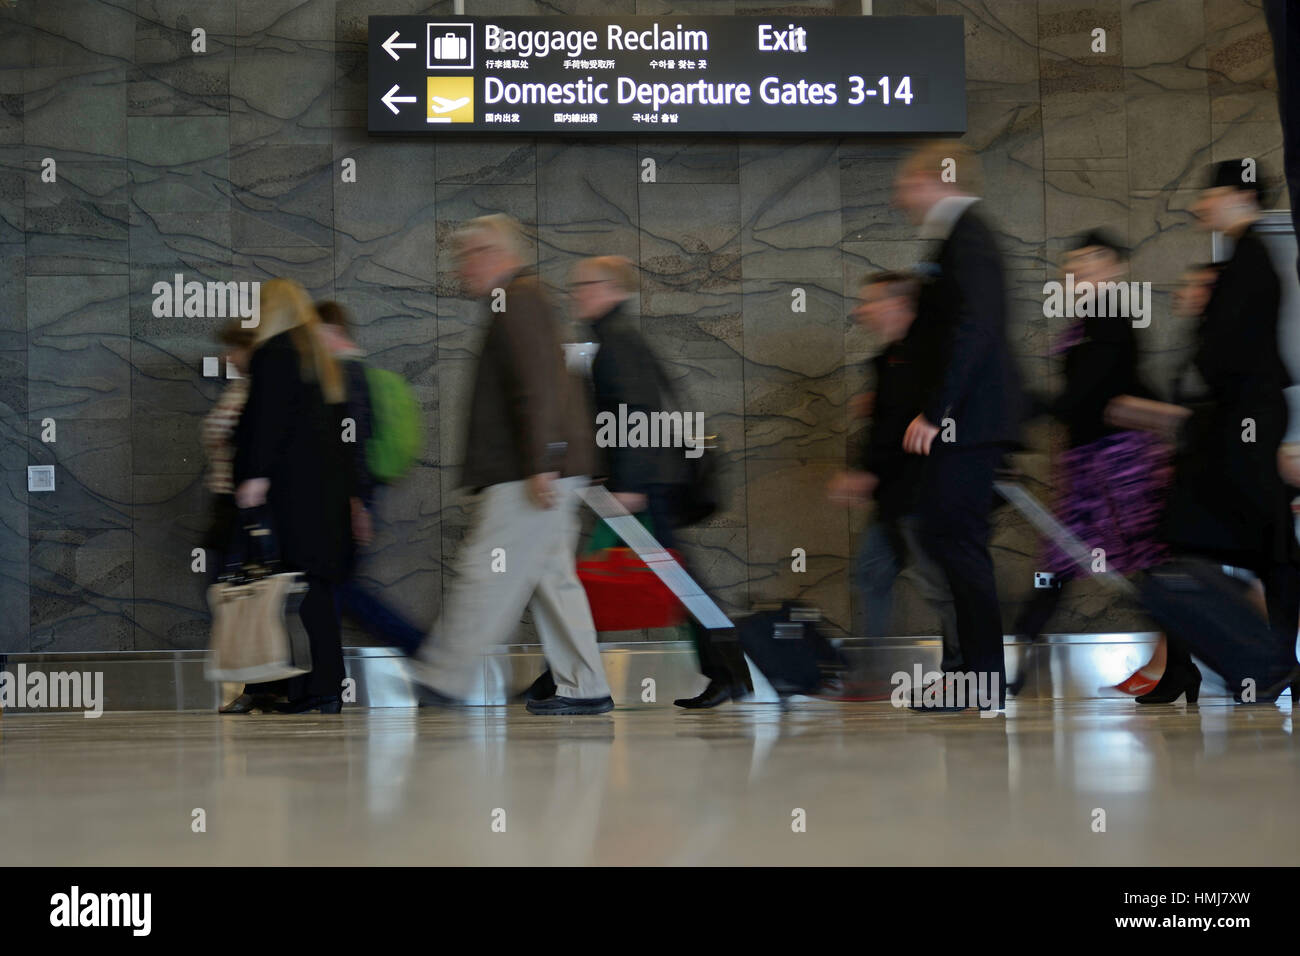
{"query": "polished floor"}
[(1208, 784)]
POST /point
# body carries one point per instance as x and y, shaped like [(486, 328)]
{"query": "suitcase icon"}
[(449, 47)]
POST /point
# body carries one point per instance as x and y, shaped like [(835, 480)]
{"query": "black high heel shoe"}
[(1269, 695), (331, 704), (1175, 682)]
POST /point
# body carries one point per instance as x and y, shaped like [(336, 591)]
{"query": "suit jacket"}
[(626, 372), (1228, 499), (959, 338), (527, 414)]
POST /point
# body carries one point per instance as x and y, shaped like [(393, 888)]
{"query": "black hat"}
[(1102, 238), (1230, 172)]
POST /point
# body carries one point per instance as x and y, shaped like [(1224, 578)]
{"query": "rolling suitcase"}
[(788, 646), (649, 552), (1195, 602), (1192, 599)]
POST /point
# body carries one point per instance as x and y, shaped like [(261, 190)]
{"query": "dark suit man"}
[(626, 372), (971, 392)]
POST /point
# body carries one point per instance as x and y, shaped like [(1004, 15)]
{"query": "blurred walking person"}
[(1189, 301), (218, 435), (1283, 19), (969, 413), (530, 449), (291, 457), (1228, 502), (369, 610), (625, 372), (1110, 482), (891, 542)]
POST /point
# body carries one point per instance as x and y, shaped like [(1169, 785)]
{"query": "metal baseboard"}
[(642, 673)]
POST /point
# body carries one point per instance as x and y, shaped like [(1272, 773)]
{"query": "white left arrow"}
[(389, 100), (392, 47)]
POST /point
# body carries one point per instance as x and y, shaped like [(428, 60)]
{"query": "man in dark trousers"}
[(626, 372), (969, 415), (891, 543)]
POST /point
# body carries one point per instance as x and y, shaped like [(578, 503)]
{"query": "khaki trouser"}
[(484, 605)]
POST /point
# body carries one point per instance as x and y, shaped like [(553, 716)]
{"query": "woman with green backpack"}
[(388, 441)]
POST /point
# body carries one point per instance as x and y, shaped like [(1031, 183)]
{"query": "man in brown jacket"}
[(530, 450)]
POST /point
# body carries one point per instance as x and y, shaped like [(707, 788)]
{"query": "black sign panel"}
[(722, 74)]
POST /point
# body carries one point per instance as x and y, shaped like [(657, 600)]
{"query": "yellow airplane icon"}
[(449, 99), (442, 105)]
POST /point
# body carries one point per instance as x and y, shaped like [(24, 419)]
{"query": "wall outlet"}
[(1045, 579), (40, 477)]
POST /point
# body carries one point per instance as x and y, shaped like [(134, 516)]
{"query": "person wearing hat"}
[(1228, 501), (1109, 481)]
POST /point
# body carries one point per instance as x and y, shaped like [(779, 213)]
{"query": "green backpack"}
[(396, 436)]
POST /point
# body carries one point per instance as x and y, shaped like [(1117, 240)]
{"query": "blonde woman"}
[(291, 456)]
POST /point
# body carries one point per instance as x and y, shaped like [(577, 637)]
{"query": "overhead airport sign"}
[(721, 74)]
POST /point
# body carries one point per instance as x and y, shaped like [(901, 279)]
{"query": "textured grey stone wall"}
[(226, 165)]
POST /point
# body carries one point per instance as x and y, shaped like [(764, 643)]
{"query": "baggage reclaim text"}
[(574, 43), (772, 90)]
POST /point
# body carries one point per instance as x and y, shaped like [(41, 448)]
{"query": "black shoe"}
[(1175, 682), (541, 688), (331, 704), (426, 696), (716, 693), (247, 703), (1269, 695), (558, 706)]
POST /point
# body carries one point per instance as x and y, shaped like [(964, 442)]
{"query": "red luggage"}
[(624, 593)]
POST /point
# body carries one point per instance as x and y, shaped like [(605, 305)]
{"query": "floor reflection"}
[(648, 786)]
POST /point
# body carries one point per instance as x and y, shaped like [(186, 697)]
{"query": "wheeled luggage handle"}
[(658, 559), (1050, 528)]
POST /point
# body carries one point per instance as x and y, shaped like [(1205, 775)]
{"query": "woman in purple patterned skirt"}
[(1109, 482)]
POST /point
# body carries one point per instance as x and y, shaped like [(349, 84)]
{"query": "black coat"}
[(898, 396), (959, 338), (288, 434), (625, 371), (1101, 366), (1227, 498)]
